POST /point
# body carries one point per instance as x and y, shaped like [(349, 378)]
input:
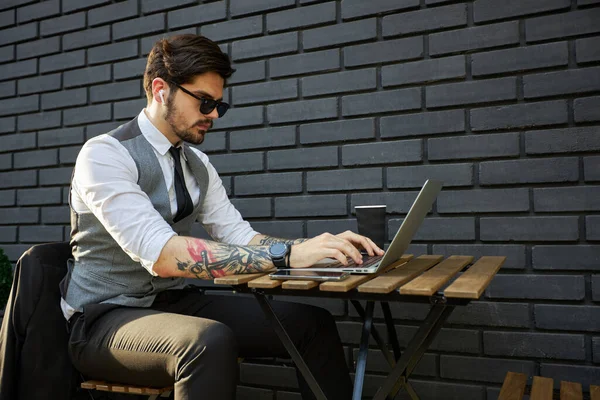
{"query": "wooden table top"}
[(422, 276)]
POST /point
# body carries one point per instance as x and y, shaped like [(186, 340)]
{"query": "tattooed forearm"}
[(269, 240)]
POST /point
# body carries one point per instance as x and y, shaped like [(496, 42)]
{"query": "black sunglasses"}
[(207, 105)]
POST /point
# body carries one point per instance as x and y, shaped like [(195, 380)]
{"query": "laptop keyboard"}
[(367, 262)]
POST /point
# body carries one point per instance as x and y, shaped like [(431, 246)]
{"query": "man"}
[(134, 195)]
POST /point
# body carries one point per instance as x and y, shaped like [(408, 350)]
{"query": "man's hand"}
[(326, 245)]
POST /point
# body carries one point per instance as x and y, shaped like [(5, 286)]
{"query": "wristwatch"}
[(279, 253)]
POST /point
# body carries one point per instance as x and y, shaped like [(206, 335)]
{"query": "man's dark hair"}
[(179, 59)]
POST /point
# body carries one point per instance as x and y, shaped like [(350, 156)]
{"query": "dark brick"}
[(150, 6), (7, 18), (340, 82), (564, 169), (38, 48), (112, 52), (65, 98), (7, 197), (262, 374), (55, 176), (19, 105), (514, 315), (66, 23), (8, 124), (19, 215), (116, 91), (8, 234), (521, 229), (591, 167), (562, 82), (98, 129), (592, 224), (303, 158), (38, 158), (345, 179), (39, 84), (384, 51), (566, 257), (215, 141), (310, 206), (586, 109), (19, 33), (7, 53), (431, 19), (41, 10), (86, 38), (74, 5), (251, 393), (241, 117), (320, 61), (288, 182), (334, 226), (241, 162), (376, 362), (34, 197), (5, 161), (263, 138), (586, 375), (543, 287), (520, 59), (86, 76), (18, 69), (415, 176), (248, 72), (489, 200), (596, 349), (253, 208), (265, 46), (238, 28), (582, 139), (562, 25), (337, 131), (539, 345), (489, 10), (482, 369), (40, 234), (44, 120), (382, 152), (197, 15), (13, 252), (596, 288), (515, 254), (339, 34), (386, 101), (149, 41), (128, 108), (68, 155), (473, 146), (127, 69), (85, 115), (113, 12), (241, 7), (447, 229), (471, 92), (396, 202), (265, 92), (18, 141), (56, 215), (62, 61), (302, 110), (564, 317), (283, 229), (475, 38), (587, 49), (8, 89), (301, 17), (358, 8), (426, 123), (519, 115), (60, 137)]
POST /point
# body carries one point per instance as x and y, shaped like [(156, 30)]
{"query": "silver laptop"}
[(401, 241)]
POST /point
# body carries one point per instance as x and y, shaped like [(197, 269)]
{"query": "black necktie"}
[(184, 201)]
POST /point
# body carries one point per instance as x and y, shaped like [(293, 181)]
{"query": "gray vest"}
[(101, 271)]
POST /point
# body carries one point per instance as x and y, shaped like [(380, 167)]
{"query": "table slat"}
[(91, 384), (240, 279), (355, 280), (542, 388), (430, 281), (513, 387), (264, 282), (473, 282), (399, 276), (570, 391), (594, 392), (299, 285)]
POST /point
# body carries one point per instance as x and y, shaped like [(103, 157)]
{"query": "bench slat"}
[(513, 387), (264, 282), (570, 391), (299, 285), (594, 392), (430, 281), (105, 387), (542, 388), (355, 280), (239, 279), (399, 276), (473, 282), (90, 384)]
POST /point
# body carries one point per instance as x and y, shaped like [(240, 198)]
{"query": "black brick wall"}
[(342, 103)]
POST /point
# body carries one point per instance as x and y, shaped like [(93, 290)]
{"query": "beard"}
[(193, 134)]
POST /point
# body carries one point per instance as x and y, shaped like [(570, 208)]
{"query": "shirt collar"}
[(156, 139)]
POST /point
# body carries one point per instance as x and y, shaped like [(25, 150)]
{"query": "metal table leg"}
[(361, 363), (378, 339), (389, 322)]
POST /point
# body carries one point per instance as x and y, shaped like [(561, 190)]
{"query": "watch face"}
[(278, 250)]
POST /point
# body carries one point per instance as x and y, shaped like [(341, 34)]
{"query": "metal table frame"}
[(402, 364)]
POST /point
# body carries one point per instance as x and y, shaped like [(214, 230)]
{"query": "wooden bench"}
[(152, 393), (514, 385)]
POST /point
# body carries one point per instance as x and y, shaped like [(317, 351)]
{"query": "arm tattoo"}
[(269, 240), (209, 260)]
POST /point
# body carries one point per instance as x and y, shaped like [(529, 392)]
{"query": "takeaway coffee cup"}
[(371, 222)]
